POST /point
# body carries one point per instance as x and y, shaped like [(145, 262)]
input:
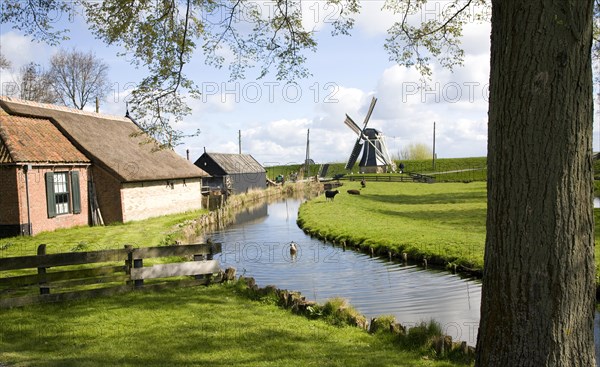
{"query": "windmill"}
[(375, 156)]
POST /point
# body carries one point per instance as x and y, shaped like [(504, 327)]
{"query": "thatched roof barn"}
[(130, 178)]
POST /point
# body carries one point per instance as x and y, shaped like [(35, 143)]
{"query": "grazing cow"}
[(330, 194), (353, 192)]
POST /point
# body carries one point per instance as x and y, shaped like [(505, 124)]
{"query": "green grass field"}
[(442, 220), (150, 232), (199, 326)]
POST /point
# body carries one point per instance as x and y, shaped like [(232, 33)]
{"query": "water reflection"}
[(258, 246)]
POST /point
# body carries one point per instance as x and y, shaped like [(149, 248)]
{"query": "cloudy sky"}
[(347, 72)]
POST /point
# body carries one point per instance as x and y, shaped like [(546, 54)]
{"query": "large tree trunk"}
[(538, 284)]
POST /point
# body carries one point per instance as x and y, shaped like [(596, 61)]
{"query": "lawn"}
[(200, 326), (443, 220), (150, 232)]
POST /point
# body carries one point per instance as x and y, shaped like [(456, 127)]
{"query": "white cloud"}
[(20, 50), (373, 20)]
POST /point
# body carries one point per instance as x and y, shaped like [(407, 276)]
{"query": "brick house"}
[(98, 168), (42, 178)]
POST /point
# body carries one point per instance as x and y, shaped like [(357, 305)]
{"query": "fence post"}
[(138, 263), (211, 252), (198, 258), (128, 262), (44, 289)]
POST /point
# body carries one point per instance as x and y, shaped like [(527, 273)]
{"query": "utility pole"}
[(434, 145), (240, 141), (306, 160)]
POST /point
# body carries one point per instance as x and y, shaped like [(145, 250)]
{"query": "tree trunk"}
[(538, 284)]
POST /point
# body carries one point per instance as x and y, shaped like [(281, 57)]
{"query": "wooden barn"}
[(234, 173), (121, 174)]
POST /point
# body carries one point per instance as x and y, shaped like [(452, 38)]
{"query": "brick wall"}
[(38, 205), (108, 193), (150, 199), (13, 199), (9, 202)]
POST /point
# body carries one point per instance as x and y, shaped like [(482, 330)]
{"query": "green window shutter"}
[(75, 194), (50, 198)]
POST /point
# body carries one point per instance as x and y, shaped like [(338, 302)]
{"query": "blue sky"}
[(347, 72)]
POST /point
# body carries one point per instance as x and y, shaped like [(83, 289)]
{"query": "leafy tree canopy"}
[(162, 36)]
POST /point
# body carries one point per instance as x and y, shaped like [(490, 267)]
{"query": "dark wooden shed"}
[(237, 172)]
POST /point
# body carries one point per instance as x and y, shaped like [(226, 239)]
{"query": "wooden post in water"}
[(44, 289)]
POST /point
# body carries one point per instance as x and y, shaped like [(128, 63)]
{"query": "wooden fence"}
[(72, 275), (413, 177)]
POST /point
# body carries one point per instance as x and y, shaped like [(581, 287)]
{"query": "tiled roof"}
[(112, 142), (29, 140)]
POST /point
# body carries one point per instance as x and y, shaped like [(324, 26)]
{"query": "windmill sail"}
[(352, 125), (371, 107), (354, 154)]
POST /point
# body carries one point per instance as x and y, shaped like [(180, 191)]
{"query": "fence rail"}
[(413, 177), (69, 283)]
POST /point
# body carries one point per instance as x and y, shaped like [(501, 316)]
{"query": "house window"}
[(61, 192)]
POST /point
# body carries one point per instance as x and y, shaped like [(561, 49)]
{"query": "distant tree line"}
[(73, 78)]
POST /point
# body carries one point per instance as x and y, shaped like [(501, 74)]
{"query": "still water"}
[(257, 245)]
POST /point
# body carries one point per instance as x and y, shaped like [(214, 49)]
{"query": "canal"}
[(257, 245)]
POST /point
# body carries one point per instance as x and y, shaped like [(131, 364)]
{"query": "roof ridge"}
[(63, 109)]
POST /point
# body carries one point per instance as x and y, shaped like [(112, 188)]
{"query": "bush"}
[(381, 324), (421, 336), (338, 312)]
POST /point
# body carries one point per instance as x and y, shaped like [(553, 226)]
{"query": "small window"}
[(61, 192)]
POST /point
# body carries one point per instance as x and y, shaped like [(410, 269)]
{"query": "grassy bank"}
[(444, 222), (441, 220), (201, 326)]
